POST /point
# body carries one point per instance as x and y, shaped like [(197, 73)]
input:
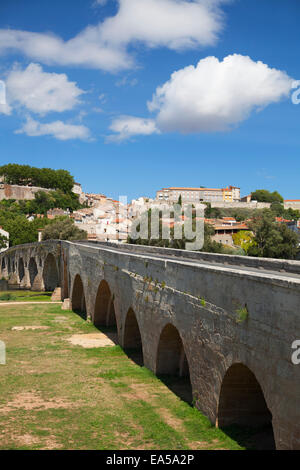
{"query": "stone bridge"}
[(225, 322)]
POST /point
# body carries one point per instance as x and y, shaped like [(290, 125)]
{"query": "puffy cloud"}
[(85, 49), (41, 92), (176, 24), (215, 95), (57, 129), (126, 127)]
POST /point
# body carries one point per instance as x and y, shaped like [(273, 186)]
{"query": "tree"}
[(263, 195), (244, 239), (63, 229), (32, 176), (272, 239)]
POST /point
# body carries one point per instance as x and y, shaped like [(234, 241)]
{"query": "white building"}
[(4, 234)]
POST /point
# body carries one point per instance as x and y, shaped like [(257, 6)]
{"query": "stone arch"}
[(33, 271), (241, 399), (78, 297), (132, 334), (104, 313), (3, 263), (171, 358), (132, 339), (50, 273), (21, 269), (172, 364)]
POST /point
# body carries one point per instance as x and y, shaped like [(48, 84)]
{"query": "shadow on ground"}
[(252, 438), (136, 355), (181, 386)]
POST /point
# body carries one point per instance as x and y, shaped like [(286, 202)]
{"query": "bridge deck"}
[(258, 271)]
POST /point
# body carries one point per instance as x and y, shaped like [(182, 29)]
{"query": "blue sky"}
[(80, 80)]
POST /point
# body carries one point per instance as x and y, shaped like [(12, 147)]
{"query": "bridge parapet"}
[(269, 264)]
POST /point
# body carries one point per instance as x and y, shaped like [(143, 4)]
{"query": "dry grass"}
[(57, 395)]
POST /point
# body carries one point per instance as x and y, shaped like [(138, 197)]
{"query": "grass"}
[(24, 296), (54, 395)]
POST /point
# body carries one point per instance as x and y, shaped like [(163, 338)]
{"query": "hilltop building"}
[(194, 195), (292, 204)]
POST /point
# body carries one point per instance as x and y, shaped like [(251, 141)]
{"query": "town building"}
[(224, 229), (4, 233), (197, 195), (292, 204)]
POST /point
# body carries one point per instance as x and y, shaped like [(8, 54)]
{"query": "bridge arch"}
[(78, 297), (172, 364), (21, 269), (171, 358), (50, 273), (33, 271), (132, 339), (242, 401), (132, 334), (104, 312)]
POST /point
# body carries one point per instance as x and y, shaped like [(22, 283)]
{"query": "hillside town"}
[(106, 219)]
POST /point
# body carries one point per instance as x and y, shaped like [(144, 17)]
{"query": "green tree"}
[(244, 239), (43, 177), (263, 195), (272, 239), (63, 229)]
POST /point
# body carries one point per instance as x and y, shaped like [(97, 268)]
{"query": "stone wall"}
[(13, 191), (166, 300), (241, 205)]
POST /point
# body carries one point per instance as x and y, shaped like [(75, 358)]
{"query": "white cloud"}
[(126, 127), (85, 49), (57, 129), (4, 106), (41, 92), (5, 109), (176, 24), (214, 95)]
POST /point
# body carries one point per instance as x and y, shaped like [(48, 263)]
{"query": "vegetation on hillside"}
[(263, 195), (21, 230), (63, 228), (272, 239), (26, 175), (14, 214)]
